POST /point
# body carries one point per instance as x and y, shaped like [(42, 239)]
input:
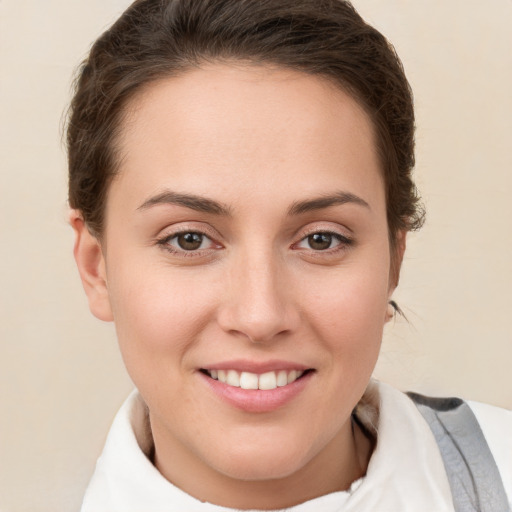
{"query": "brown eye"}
[(189, 241), (329, 242), (320, 241)]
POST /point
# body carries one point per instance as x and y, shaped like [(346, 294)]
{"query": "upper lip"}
[(244, 365)]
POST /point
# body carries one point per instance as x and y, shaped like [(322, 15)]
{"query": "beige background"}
[(61, 377)]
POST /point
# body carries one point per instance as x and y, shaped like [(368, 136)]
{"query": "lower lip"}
[(256, 400)]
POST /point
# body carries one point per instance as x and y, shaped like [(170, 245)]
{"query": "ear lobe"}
[(91, 267)]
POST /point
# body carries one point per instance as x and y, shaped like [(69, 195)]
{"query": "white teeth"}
[(233, 378), (248, 380), (267, 381), (282, 378)]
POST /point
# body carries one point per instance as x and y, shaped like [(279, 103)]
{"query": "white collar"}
[(405, 473)]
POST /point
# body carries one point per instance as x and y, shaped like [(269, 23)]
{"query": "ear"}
[(91, 266), (397, 256)]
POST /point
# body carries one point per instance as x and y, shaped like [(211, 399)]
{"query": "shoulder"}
[(475, 436), (496, 425)]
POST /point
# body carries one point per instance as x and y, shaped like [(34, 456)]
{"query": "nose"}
[(258, 303)]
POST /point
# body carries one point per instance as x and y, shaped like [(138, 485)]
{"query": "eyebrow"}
[(319, 203), (205, 205), (194, 202)]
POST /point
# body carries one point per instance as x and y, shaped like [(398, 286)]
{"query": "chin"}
[(260, 470), (258, 461)]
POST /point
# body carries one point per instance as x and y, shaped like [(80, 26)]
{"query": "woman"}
[(240, 184)]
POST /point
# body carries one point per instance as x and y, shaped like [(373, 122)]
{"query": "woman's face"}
[(246, 239)]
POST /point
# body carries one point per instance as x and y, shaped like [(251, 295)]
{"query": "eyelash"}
[(164, 242), (343, 243)]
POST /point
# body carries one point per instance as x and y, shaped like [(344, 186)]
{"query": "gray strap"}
[(472, 472)]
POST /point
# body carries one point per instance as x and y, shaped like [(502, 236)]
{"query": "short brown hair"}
[(159, 38)]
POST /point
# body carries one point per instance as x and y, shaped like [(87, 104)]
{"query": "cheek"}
[(348, 314), (159, 314)]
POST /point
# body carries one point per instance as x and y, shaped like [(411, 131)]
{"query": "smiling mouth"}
[(262, 381)]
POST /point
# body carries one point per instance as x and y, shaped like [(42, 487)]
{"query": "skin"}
[(257, 141)]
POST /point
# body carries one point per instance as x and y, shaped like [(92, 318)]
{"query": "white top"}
[(404, 474)]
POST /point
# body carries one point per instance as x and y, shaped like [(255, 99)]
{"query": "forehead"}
[(250, 126)]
